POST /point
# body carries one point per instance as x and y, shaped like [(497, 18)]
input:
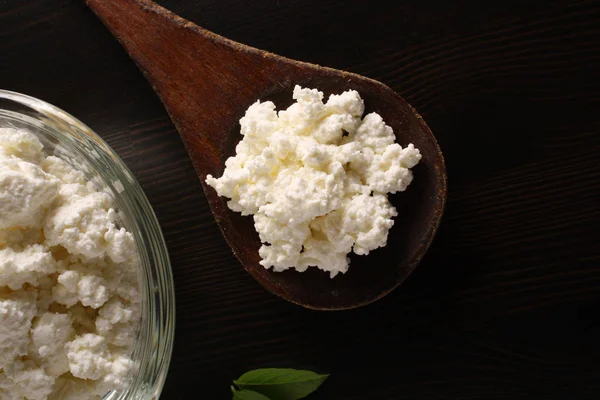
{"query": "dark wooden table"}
[(505, 305)]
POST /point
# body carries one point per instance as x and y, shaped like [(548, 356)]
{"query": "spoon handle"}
[(200, 77)]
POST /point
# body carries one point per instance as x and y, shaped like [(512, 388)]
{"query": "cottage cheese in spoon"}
[(316, 178)]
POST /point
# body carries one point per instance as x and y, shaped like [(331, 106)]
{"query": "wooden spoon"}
[(206, 82)]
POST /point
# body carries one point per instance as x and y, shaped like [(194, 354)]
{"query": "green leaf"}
[(248, 395), (281, 383)]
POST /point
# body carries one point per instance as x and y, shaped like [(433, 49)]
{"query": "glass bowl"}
[(68, 138)]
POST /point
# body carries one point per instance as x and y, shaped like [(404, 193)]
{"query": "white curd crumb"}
[(18, 267), (49, 335), (20, 144), (25, 191), (88, 356), (17, 309), (83, 223), (23, 379)]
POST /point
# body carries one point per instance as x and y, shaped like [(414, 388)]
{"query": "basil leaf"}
[(281, 383), (248, 395)]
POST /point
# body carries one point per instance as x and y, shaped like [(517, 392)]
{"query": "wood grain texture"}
[(505, 303)]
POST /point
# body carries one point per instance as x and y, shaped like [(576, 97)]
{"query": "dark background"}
[(505, 303)]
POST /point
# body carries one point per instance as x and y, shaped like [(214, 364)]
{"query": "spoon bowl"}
[(206, 82)]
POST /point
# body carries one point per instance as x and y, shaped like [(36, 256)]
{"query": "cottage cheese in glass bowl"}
[(86, 291)]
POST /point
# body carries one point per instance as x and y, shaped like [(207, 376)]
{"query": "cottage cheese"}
[(69, 290), (315, 177)]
